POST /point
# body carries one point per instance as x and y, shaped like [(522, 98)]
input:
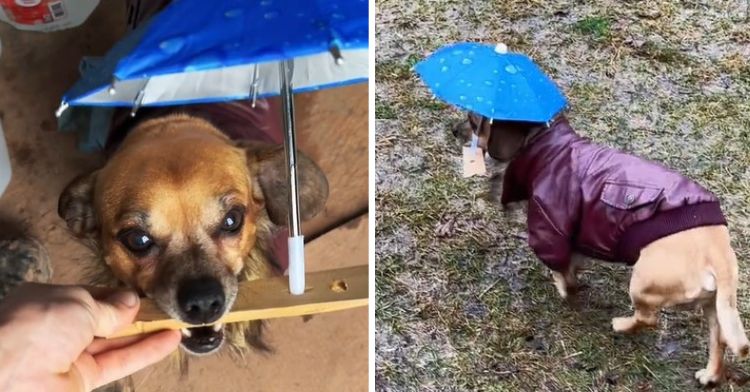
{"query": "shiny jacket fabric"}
[(598, 201)]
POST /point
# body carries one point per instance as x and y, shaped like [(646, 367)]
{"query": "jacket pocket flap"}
[(628, 196)]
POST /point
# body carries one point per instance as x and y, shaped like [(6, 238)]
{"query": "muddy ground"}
[(462, 302)]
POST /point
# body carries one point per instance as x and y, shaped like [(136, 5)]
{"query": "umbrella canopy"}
[(197, 51), (490, 81)]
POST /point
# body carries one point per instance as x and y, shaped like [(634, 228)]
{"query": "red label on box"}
[(31, 12)]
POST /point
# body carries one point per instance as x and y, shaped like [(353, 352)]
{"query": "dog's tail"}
[(730, 323)]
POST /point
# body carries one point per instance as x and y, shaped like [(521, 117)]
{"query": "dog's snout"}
[(201, 300), (462, 131), (455, 129)]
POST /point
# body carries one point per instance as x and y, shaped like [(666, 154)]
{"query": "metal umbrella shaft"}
[(286, 71), (296, 240)]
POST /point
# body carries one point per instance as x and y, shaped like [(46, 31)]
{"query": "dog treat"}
[(326, 291)]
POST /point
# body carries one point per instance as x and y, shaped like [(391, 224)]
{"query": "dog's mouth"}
[(203, 340)]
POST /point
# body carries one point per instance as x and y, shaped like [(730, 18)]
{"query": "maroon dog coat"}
[(599, 201)]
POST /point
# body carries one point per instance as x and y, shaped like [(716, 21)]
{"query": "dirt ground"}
[(328, 352), (462, 302)]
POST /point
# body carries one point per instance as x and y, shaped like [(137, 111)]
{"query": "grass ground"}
[(462, 303)]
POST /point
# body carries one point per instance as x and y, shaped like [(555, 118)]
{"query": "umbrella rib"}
[(530, 90)]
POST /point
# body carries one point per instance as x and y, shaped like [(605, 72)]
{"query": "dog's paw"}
[(623, 324), (706, 377), (558, 280), (562, 290)]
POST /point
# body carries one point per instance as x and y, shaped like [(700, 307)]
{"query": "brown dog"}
[(572, 183), (182, 213)]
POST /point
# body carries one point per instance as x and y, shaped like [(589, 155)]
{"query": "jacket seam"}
[(591, 160)]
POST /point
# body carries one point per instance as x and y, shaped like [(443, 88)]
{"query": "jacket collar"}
[(531, 161)]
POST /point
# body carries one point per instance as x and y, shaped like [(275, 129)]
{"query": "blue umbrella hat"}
[(492, 82)]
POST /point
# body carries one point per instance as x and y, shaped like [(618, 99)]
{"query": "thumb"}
[(114, 312)]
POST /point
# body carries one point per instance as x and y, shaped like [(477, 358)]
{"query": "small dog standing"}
[(603, 203)]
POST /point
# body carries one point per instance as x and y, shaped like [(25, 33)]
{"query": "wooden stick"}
[(325, 291)]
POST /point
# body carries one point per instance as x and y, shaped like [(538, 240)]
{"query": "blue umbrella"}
[(199, 51), (490, 81), (196, 51)]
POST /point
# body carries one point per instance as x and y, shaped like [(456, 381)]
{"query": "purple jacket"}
[(598, 201)]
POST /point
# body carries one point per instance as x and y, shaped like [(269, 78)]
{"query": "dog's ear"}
[(505, 140), (268, 165), (76, 205)]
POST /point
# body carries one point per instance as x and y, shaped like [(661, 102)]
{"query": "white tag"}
[(473, 162)]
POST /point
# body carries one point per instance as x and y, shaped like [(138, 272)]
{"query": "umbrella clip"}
[(138, 101), (64, 105), (254, 86), (335, 50)]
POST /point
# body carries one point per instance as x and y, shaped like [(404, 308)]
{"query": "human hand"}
[(48, 339)]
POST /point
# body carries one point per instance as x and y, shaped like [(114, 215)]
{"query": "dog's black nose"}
[(456, 129), (201, 300)]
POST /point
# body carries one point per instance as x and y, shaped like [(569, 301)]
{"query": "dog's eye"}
[(137, 241), (232, 221)]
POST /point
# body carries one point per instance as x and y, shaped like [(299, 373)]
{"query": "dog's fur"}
[(176, 178), (702, 267)]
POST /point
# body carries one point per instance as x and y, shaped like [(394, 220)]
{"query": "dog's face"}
[(176, 211), (502, 140), (473, 125)]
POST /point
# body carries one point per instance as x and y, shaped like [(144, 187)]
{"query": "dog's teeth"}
[(185, 332), (217, 326)]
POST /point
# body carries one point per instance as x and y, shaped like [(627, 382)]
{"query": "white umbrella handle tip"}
[(296, 264)]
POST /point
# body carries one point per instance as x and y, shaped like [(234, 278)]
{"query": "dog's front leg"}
[(713, 370), (566, 282), (563, 283)]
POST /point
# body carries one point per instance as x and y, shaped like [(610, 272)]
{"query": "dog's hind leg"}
[(646, 306), (716, 346), (644, 316)]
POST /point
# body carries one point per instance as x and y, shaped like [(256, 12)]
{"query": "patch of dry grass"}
[(462, 302)]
